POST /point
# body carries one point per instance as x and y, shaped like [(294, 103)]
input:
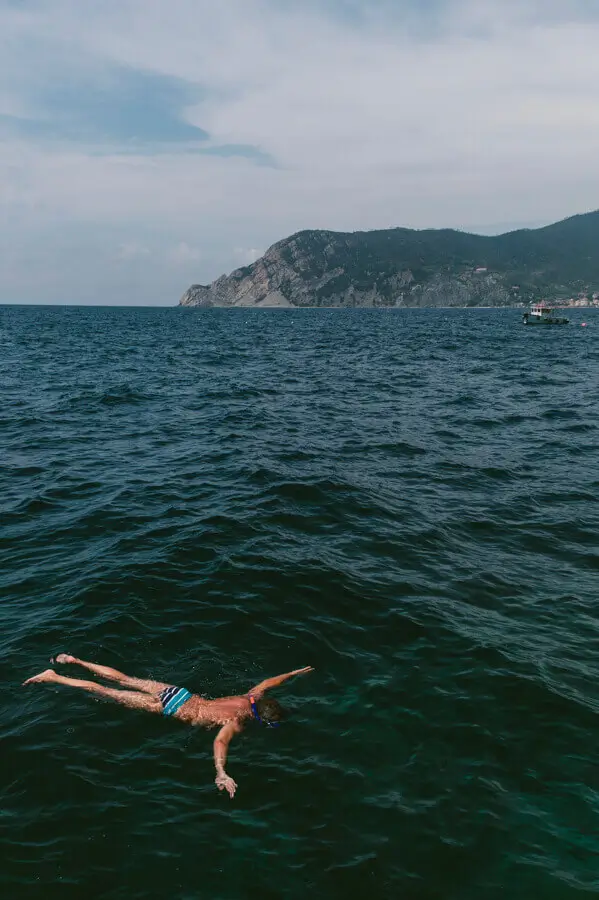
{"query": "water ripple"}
[(406, 500)]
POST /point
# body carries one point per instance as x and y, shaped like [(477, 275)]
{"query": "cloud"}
[(183, 253), (247, 255), (132, 250), (227, 126), (244, 151)]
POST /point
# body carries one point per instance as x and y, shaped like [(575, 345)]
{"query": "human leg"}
[(137, 684), (132, 699)]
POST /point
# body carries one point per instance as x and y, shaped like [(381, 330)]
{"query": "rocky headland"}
[(401, 267)]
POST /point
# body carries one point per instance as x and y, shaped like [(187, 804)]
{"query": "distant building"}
[(481, 269)]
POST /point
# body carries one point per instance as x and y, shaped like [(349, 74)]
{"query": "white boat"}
[(542, 314)]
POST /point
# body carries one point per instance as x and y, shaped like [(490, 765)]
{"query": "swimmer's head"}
[(268, 711)]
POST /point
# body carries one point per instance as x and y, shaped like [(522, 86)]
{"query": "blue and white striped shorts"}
[(173, 699)]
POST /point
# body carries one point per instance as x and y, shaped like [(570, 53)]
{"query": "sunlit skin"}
[(138, 693)]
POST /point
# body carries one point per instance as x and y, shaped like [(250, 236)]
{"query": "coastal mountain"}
[(404, 267)]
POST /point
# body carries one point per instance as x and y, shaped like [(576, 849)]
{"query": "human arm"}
[(268, 683), (221, 747)]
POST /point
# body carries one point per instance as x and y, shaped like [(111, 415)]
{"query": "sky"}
[(146, 145)]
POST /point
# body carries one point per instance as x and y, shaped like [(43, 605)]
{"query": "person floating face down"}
[(231, 713)]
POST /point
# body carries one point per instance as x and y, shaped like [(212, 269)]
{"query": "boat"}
[(542, 314)]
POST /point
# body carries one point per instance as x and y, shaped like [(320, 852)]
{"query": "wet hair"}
[(270, 710)]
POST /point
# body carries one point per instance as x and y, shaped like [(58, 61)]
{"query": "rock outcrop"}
[(400, 267)]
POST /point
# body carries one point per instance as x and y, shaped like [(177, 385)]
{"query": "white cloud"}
[(483, 112), (247, 255), (132, 250), (183, 254)]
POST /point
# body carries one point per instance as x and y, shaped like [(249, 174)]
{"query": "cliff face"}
[(401, 267)]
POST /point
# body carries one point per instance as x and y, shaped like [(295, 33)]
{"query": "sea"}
[(406, 500)]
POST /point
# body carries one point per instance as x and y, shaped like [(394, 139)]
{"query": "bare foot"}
[(63, 658), (47, 675)]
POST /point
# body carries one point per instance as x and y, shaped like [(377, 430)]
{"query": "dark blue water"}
[(406, 500)]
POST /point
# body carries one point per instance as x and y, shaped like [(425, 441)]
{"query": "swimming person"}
[(156, 697)]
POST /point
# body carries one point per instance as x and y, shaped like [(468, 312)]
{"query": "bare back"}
[(199, 711)]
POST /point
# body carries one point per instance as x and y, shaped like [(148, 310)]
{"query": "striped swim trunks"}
[(172, 699)]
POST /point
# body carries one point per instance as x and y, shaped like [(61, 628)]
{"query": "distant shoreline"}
[(316, 308)]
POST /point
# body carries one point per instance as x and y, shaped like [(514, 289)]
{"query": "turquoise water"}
[(406, 500)]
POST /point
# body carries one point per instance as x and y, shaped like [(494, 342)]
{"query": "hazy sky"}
[(148, 144)]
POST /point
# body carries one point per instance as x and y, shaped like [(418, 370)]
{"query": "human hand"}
[(303, 671), (225, 782)]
